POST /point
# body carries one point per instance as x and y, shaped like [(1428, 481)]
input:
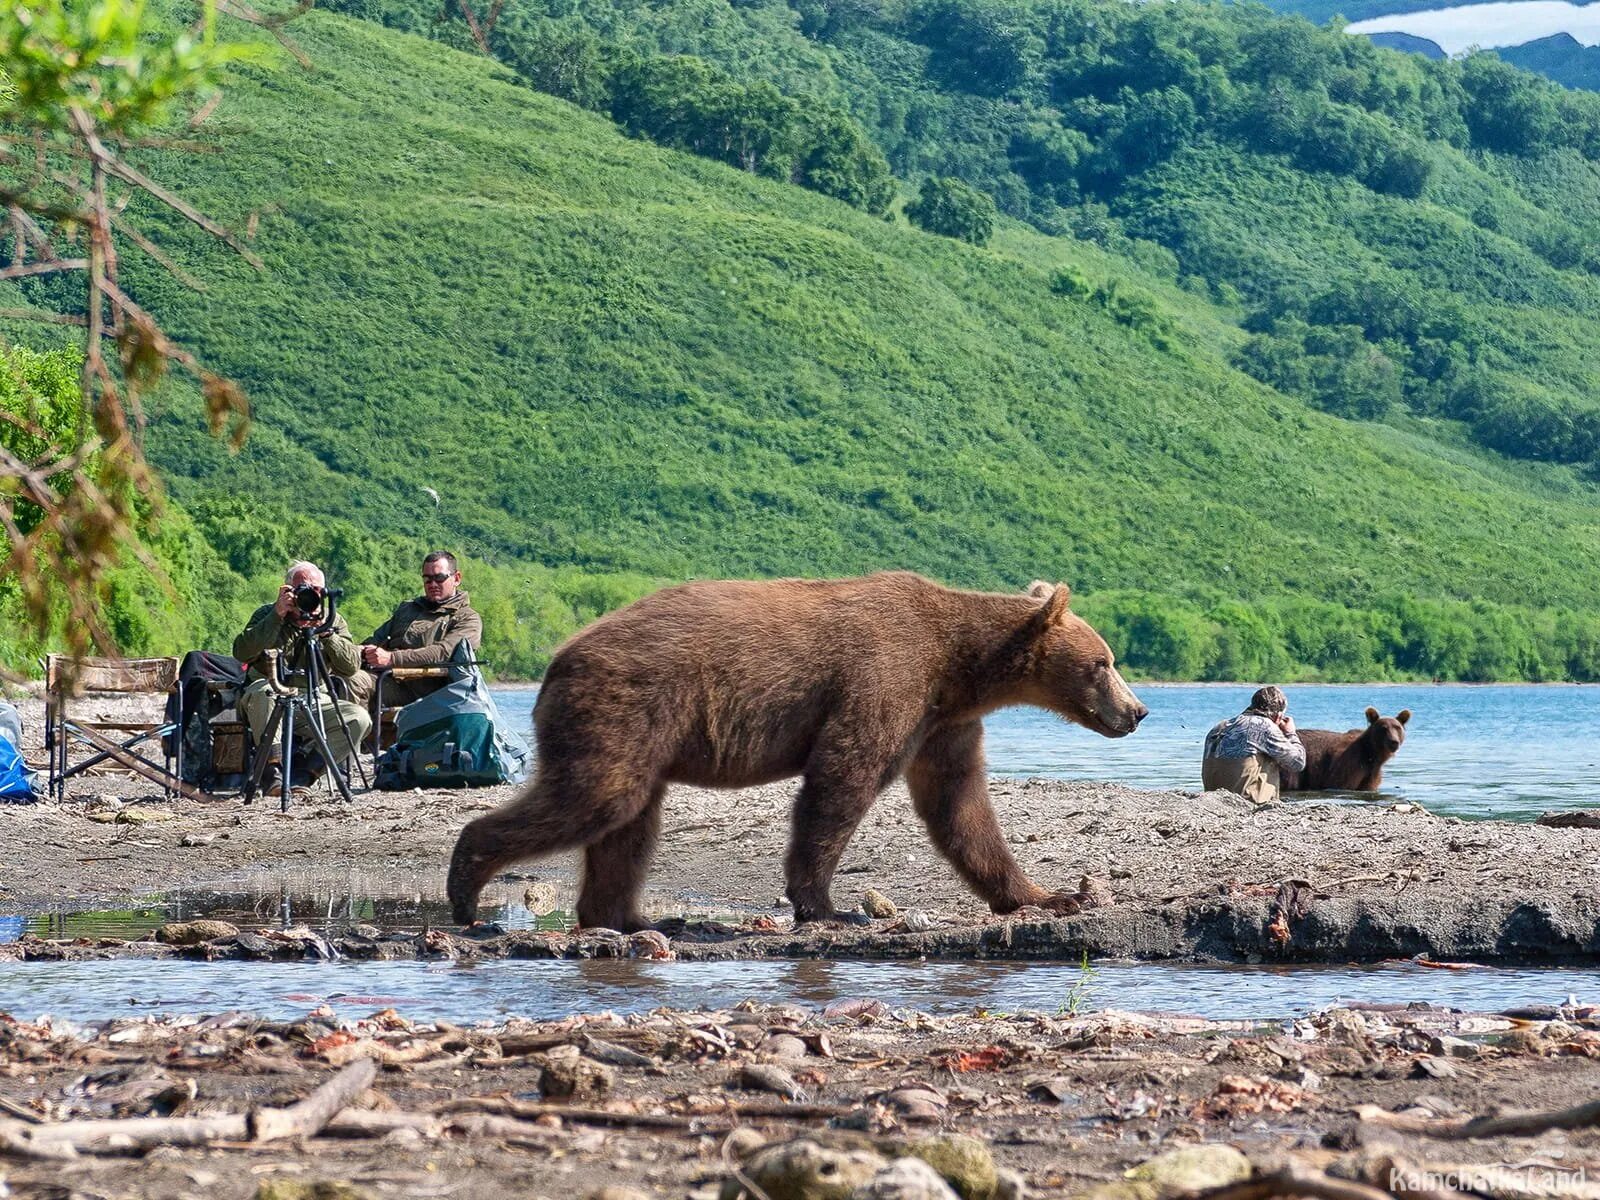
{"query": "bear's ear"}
[(1054, 609), (1040, 590), (1403, 715), (1372, 716)]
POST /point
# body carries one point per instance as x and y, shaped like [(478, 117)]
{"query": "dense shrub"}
[(951, 208)]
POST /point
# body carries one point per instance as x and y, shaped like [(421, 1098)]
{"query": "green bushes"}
[(951, 208), (1289, 638)]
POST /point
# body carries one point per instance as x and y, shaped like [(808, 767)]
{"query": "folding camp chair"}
[(67, 679)]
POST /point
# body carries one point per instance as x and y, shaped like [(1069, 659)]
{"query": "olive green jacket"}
[(267, 631), (424, 634)]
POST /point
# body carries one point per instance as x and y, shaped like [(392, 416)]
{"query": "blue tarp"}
[(16, 781)]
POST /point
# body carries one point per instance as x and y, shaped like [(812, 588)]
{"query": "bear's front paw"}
[(1061, 903), (835, 917)]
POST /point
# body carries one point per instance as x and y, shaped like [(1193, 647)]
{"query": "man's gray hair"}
[(296, 568)]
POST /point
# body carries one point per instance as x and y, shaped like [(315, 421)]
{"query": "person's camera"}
[(312, 604)]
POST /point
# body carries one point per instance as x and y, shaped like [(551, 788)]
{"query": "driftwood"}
[(133, 1135), (505, 1106), (317, 1109), (1511, 1125), (625, 1120)]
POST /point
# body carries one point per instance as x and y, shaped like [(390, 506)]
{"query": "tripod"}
[(288, 702)]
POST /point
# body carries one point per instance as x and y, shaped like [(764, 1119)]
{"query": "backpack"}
[(16, 781), (452, 737)]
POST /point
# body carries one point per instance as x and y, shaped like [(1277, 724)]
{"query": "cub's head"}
[(1072, 671), (1386, 733)]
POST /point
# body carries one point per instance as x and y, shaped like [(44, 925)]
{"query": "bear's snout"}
[(1140, 712)]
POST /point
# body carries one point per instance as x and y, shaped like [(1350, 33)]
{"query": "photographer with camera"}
[(300, 614)]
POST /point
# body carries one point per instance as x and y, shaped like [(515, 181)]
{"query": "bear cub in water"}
[(1350, 761), (847, 683)]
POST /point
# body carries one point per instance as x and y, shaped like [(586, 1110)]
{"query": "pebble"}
[(905, 1179), (878, 906)]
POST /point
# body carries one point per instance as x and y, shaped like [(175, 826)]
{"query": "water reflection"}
[(497, 990)]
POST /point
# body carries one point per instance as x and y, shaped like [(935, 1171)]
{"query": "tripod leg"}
[(334, 769), (287, 707), (259, 769)]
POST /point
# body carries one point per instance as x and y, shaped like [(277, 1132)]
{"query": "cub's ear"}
[(1403, 715), (1040, 590), (1372, 716)]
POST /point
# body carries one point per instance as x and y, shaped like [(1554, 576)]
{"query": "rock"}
[(1009, 1185), (651, 944), (878, 906), (1445, 1046), (963, 1161), (197, 839), (192, 933), (744, 1141), (764, 1077), (280, 1188), (1192, 1169), (783, 1046), (905, 1179), (140, 816), (1583, 818), (617, 1192), (805, 1170), (917, 921), (613, 1054), (1095, 893), (917, 1103), (568, 1075)]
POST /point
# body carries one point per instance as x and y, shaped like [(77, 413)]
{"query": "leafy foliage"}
[(951, 208)]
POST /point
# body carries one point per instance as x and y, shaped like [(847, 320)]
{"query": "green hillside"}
[(617, 363)]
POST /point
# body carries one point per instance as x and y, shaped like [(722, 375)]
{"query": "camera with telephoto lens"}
[(313, 605)]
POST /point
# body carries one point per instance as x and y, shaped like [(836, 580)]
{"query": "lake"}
[(1510, 751), (1488, 25)]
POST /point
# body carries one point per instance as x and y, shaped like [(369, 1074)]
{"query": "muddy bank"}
[(1191, 875), (681, 1103)]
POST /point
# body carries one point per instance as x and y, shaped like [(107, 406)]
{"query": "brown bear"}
[(1351, 761), (848, 683)]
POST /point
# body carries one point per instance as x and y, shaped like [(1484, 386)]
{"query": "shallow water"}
[(1509, 751), (497, 990), (1489, 25)]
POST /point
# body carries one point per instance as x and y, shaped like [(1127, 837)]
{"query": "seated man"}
[(1245, 754), (282, 626), (424, 632)]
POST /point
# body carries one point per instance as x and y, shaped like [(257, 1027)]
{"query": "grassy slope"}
[(603, 353)]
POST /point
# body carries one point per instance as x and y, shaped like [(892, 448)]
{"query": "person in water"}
[(1247, 753)]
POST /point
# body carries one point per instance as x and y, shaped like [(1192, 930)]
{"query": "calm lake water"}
[(1490, 25), (495, 990), (1507, 751)]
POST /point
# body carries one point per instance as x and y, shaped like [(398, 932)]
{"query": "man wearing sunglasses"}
[(425, 632)]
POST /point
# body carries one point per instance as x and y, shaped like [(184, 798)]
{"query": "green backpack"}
[(454, 751)]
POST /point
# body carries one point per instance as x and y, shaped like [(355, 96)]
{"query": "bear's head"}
[(1385, 734), (1071, 671)]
